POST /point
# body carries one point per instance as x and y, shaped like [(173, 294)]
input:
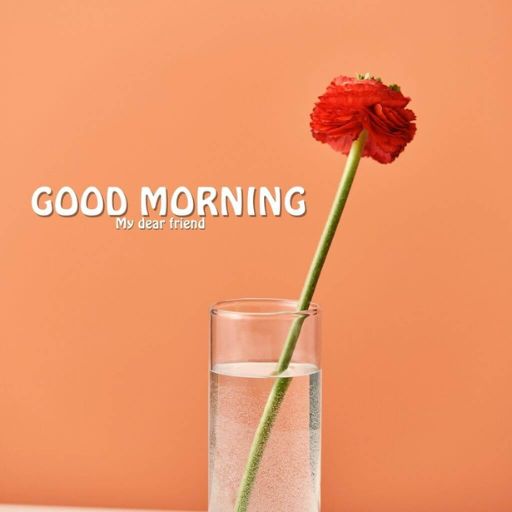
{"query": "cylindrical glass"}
[(246, 339)]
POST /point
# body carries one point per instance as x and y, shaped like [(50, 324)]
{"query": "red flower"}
[(352, 104)]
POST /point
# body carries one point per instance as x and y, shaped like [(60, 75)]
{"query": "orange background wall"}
[(104, 334)]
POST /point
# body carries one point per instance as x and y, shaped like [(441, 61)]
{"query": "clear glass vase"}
[(247, 337)]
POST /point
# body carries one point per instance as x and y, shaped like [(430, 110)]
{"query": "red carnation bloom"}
[(352, 104)]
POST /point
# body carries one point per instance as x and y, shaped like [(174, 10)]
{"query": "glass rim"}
[(222, 308)]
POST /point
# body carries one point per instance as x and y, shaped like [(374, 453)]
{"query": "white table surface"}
[(34, 508)]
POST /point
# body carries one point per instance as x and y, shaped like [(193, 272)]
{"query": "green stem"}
[(281, 384)]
